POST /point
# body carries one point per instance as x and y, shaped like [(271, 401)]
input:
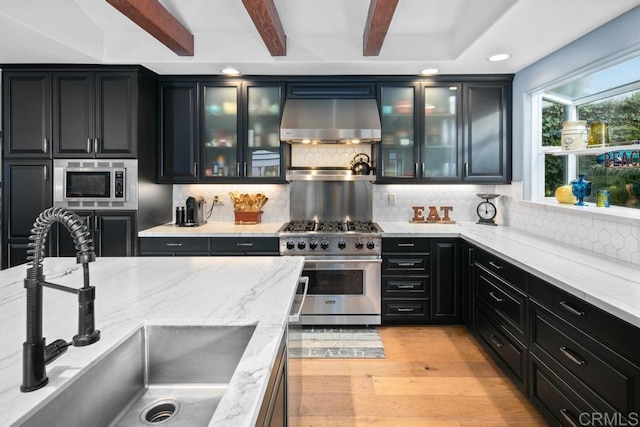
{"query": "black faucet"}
[(36, 354)]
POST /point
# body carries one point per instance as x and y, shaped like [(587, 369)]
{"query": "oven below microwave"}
[(95, 183), (342, 291)]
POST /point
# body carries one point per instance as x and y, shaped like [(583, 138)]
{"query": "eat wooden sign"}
[(432, 215)]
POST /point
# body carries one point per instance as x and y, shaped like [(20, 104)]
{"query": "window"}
[(612, 96)]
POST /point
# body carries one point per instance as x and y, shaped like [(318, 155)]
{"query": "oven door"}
[(342, 291)]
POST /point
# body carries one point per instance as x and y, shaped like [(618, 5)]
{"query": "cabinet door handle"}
[(471, 257), (96, 221), (417, 170), (466, 169), (45, 145), (570, 309), (195, 169), (496, 299), (244, 244), (424, 169), (406, 245), (174, 245), (45, 172), (237, 168), (496, 266), (496, 341), (569, 355), (88, 145), (405, 309), (244, 169), (568, 418), (96, 145)]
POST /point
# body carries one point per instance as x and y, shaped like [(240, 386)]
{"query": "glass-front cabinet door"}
[(219, 136), (440, 148), (397, 147), (262, 155)]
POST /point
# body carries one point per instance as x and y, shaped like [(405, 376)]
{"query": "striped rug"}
[(339, 342)]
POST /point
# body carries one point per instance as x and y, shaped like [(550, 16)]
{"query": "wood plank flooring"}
[(432, 376)]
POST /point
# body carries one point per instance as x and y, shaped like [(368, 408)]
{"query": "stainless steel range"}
[(331, 226)]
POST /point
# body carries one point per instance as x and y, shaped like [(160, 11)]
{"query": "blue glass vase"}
[(581, 188)]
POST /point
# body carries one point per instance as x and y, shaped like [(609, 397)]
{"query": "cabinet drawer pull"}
[(494, 265), (570, 309), (496, 341), (244, 244), (406, 286), (568, 418), (569, 355), (492, 295), (406, 245), (174, 245), (406, 264), (405, 309)]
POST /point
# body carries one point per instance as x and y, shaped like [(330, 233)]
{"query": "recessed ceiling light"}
[(430, 71), (499, 57), (230, 71)]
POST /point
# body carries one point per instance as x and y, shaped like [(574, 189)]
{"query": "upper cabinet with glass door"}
[(440, 147), (397, 148), (261, 154), (219, 136)]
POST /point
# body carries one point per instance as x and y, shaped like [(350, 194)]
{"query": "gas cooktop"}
[(321, 238), (349, 226)]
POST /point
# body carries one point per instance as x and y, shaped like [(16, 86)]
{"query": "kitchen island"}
[(132, 291)]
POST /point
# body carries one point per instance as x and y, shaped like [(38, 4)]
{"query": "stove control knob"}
[(324, 244), (359, 244), (313, 244), (290, 245), (342, 244), (371, 245), (302, 244)]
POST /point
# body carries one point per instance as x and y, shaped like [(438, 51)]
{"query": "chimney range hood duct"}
[(330, 121)]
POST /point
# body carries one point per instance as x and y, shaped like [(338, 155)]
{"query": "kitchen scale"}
[(486, 210)]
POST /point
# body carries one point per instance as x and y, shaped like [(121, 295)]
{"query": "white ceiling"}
[(323, 36)]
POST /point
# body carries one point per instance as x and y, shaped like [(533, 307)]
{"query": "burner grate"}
[(331, 226)]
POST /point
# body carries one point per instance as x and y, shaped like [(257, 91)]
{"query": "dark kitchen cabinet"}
[(174, 246), (114, 234), (27, 114), (420, 281), (178, 150), (221, 131), (487, 132), (436, 131), (466, 283), (94, 115), (590, 351), (27, 191), (500, 312), (205, 246)]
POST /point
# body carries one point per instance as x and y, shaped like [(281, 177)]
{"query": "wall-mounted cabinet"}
[(447, 132), (216, 131)]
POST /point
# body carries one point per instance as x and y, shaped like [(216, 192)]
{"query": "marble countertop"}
[(132, 291), (611, 285), (212, 229)]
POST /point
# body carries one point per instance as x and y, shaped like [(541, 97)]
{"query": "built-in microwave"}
[(95, 183)]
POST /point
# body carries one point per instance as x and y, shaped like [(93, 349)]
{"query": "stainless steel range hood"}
[(330, 121)]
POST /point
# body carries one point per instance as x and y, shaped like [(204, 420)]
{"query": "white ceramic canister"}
[(574, 135)]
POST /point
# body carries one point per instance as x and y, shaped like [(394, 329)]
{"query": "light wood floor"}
[(432, 376)]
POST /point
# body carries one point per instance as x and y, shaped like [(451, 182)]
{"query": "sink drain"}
[(159, 411)]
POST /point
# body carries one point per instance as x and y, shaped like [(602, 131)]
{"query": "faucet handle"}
[(87, 333)]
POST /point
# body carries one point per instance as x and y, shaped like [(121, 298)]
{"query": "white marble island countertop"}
[(132, 291)]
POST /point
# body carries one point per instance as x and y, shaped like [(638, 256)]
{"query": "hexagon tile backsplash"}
[(617, 239)]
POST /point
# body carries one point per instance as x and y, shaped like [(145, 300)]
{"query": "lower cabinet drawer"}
[(507, 302), (556, 399), (405, 287), (506, 347), (405, 311), (174, 245), (614, 380), (408, 264)]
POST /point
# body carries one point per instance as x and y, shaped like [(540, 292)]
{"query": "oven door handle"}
[(344, 261), (295, 318)]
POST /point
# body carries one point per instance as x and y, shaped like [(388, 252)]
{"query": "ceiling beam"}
[(152, 17), (265, 17), (378, 20)]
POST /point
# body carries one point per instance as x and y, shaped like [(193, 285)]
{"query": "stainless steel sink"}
[(160, 375)]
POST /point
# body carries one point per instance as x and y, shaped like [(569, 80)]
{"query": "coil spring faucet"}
[(36, 354)]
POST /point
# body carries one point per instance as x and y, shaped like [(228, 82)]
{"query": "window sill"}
[(613, 213)]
